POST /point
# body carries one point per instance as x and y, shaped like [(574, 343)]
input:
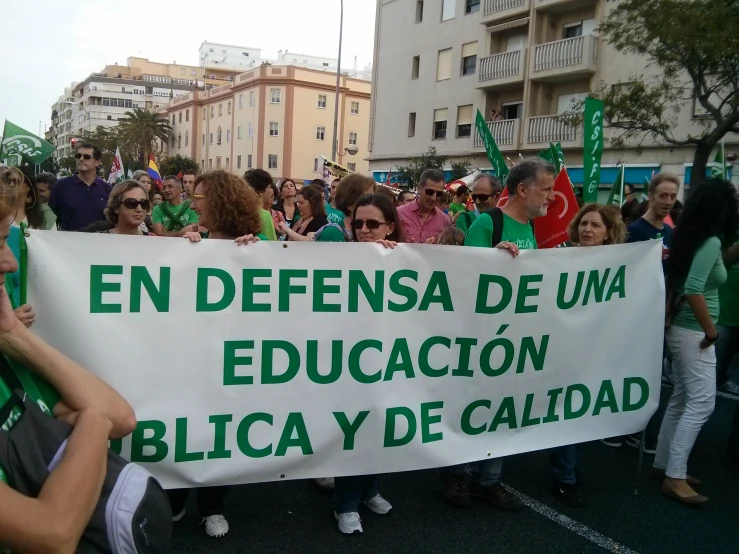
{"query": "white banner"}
[(293, 360)]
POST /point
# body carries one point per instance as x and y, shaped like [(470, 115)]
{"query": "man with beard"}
[(171, 217)]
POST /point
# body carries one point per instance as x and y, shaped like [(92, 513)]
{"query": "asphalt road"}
[(297, 517)]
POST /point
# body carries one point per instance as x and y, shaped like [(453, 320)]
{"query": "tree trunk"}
[(700, 162)]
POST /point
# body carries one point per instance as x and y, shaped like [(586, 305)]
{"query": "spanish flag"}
[(153, 170)]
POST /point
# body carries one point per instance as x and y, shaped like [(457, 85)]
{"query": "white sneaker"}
[(326, 483), (378, 505), (179, 516), (349, 524), (215, 526)]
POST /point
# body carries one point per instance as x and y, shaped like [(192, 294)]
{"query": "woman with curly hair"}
[(227, 207), (693, 274), (128, 205), (596, 225), (312, 215)]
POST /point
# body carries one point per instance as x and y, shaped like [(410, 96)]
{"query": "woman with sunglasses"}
[(128, 205), (348, 191), (312, 213), (376, 220)]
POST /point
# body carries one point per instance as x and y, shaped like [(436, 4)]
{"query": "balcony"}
[(498, 10), (499, 71), (563, 60), (562, 5), (505, 132), (540, 131)]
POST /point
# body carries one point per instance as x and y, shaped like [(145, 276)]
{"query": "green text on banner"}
[(496, 158), (593, 143), (276, 362)]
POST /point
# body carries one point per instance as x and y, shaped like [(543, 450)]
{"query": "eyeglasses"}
[(431, 192), (86, 157), (132, 204), (198, 196), (372, 224), (481, 197)]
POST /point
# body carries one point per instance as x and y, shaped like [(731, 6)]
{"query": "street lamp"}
[(338, 78), (351, 150)]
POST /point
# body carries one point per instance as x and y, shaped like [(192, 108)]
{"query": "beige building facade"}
[(521, 63), (277, 118)]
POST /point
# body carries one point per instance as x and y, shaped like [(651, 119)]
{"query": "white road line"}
[(571, 525), (727, 395)]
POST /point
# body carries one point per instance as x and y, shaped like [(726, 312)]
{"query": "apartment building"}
[(278, 118), (521, 63), (60, 132)]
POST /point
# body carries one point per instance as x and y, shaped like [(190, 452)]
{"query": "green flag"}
[(19, 144), (616, 198), (593, 145), (496, 158), (645, 191), (718, 166), (554, 156)]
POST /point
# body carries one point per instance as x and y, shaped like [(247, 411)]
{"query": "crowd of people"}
[(700, 262)]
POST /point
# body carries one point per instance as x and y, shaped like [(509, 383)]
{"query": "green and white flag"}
[(593, 143), (645, 191), (129, 175), (616, 198), (718, 166), (491, 148), (18, 144), (554, 155), (117, 173)]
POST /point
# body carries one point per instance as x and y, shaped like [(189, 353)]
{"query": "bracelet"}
[(709, 339)]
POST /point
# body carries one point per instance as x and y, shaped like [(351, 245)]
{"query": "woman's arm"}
[(292, 235), (55, 521), (695, 285)]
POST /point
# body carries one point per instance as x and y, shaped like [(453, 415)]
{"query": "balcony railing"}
[(549, 128), (494, 6), (504, 132), (560, 53), (498, 66)]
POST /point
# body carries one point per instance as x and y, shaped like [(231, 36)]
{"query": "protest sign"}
[(285, 361)]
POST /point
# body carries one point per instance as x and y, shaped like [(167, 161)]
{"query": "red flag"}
[(179, 175), (387, 181), (551, 230)]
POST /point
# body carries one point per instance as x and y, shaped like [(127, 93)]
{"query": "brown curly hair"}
[(611, 216), (233, 206)]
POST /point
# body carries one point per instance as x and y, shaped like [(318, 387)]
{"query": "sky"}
[(47, 44)]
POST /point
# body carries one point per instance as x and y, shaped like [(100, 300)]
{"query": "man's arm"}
[(160, 231), (54, 522)]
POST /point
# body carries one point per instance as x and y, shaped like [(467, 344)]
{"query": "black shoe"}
[(732, 460), (635, 440), (613, 442), (497, 495), (568, 494), (578, 478), (456, 492)]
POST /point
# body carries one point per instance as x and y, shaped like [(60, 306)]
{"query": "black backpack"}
[(496, 214), (133, 514)]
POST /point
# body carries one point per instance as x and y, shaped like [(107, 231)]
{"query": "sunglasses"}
[(132, 204), (481, 197), (372, 224), (86, 157), (431, 192)]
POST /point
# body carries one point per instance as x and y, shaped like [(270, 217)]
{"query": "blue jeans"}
[(727, 346), (350, 491), (564, 459), (485, 472)]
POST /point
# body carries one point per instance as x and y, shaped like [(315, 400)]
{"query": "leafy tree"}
[(460, 169), (693, 54), (411, 174), (105, 138), (173, 165), (68, 164), (140, 129)]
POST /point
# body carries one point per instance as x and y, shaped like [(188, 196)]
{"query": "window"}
[(202, 163), (228, 135), (241, 101), (512, 110), (353, 139), (320, 133), (566, 102), (247, 55), (218, 162), (514, 42), (212, 112), (239, 135), (205, 113), (187, 115), (325, 64), (472, 6), (444, 65), (276, 95), (211, 50), (351, 166), (192, 73), (315, 164), (355, 108), (220, 110), (210, 163), (412, 124), (447, 9), (248, 161), (464, 121), (211, 138), (251, 98), (272, 161), (218, 135), (108, 104), (572, 30), (469, 58), (203, 139), (440, 118), (229, 108), (228, 163), (223, 51), (187, 138), (416, 67), (321, 100), (251, 130), (274, 129), (180, 121), (419, 11)]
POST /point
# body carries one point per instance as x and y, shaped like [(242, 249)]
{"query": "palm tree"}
[(141, 128)]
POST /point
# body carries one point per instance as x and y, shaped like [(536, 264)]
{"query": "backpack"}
[(496, 214), (133, 514)]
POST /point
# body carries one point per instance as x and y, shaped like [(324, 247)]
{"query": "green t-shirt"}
[(37, 390), (480, 233), (184, 217), (268, 225), (330, 233), (465, 221), (49, 217), (333, 215), (728, 296), (707, 273), (454, 208)]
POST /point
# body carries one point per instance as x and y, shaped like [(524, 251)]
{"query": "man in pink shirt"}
[(421, 220)]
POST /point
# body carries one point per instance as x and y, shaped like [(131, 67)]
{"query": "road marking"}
[(571, 525), (727, 395)]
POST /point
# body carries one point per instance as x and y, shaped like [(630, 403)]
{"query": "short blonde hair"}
[(611, 216)]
